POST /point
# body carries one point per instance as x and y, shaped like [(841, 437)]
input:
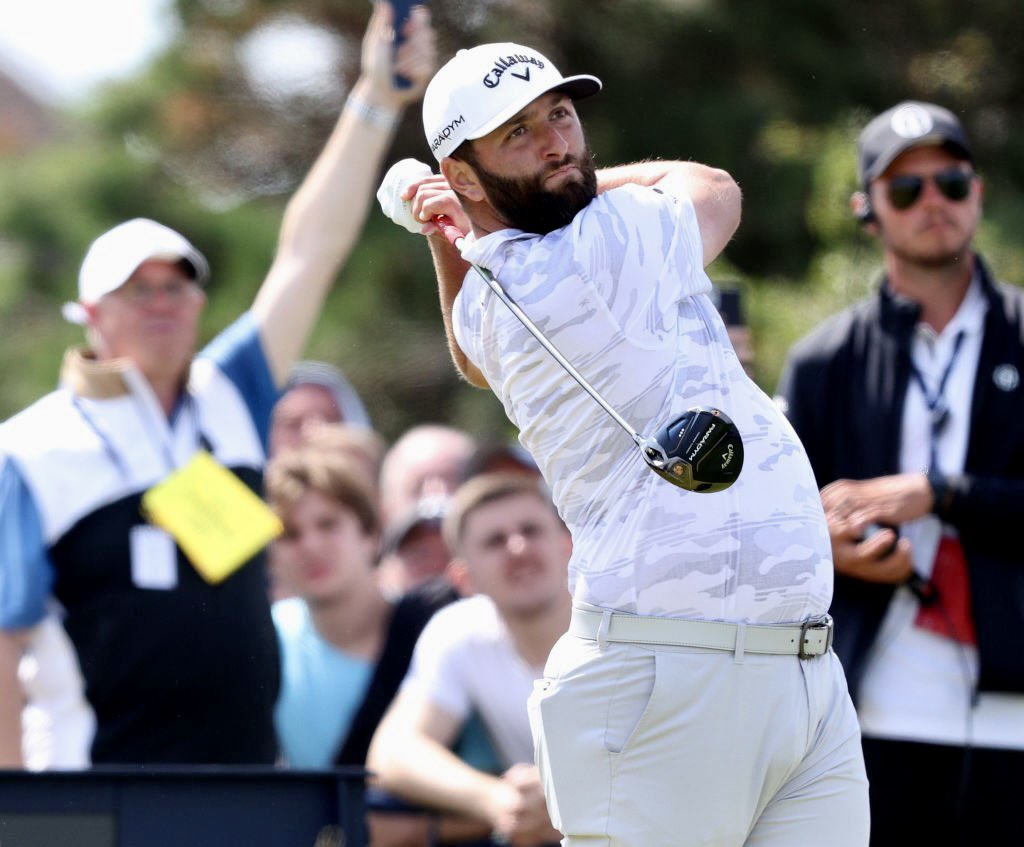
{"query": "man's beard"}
[(524, 203)]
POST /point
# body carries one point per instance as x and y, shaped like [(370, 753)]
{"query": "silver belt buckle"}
[(825, 623)]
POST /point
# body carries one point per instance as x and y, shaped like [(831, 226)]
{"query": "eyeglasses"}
[(904, 191), (143, 293)]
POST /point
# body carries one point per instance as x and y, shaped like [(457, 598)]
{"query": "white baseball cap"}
[(481, 88), (113, 257)]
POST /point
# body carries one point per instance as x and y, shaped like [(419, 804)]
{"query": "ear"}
[(458, 576), (462, 178)]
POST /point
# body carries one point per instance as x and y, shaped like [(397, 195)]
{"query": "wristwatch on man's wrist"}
[(942, 492)]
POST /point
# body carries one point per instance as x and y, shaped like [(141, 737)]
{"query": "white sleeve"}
[(436, 671)]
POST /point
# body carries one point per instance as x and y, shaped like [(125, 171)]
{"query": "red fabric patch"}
[(950, 613)]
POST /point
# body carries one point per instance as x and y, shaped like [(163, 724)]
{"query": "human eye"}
[(327, 523), (139, 292), (531, 530), (494, 541)]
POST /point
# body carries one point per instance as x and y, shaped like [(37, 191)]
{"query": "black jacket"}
[(409, 616), (845, 385)]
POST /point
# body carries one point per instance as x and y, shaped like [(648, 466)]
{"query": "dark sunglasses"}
[(904, 191)]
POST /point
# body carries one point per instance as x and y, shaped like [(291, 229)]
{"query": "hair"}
[(466, 152), (348, 438), (293, 473), (483, 490)]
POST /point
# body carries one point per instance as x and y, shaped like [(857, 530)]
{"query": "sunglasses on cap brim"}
[(904, 191)]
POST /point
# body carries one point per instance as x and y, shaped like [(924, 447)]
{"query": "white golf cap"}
[(481, 88), (114, 256)]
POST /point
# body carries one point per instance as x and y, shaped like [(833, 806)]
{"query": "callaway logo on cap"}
[(479, 89)]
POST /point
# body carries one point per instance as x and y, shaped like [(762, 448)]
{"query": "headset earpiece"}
[(862, 210)]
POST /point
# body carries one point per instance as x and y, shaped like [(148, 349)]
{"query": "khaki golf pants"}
[(666, 746)]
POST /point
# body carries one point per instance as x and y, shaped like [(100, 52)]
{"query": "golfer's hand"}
[(433, 196), (522, 815), (415, 59)]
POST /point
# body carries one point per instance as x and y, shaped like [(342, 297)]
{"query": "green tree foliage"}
[(773, 92)]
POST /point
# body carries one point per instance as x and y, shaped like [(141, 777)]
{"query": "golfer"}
[(695, 699)]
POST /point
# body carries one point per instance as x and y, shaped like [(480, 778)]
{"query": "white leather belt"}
[(812, 638)]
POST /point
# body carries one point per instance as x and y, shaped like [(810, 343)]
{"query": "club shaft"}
[(455, 236)]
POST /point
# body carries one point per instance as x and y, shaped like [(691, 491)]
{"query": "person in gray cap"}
[(694, 699), (907, 404), (180, 663), (315, 393)]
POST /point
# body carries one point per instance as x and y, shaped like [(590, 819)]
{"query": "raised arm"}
[(326, 214), (715, 195)]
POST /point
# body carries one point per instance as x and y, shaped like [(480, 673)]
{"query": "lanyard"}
[(938, 409), (118, 460)]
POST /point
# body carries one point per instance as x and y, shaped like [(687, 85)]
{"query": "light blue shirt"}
[(321, 688)]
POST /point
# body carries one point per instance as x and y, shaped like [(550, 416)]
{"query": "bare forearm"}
[(716, 197), (321, 225), (11, 648), (324, 218), (422, 771), (451, 270)]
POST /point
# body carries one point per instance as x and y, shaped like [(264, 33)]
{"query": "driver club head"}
[(700, 451)]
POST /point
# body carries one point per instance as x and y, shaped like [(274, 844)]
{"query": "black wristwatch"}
[(942, 492)]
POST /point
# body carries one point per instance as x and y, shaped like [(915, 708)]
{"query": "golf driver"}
[(700, 451)]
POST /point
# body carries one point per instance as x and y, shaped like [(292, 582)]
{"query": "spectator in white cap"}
[(695, 698), (179, 666)]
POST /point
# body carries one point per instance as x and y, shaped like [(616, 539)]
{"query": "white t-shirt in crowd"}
[(465, 663)]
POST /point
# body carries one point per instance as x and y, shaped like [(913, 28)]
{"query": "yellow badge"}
[(214, 517)]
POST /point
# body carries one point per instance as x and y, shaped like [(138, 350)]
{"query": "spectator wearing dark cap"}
[(413, 550), (420, 470), (908, 404), (315, 393), (177, 669)]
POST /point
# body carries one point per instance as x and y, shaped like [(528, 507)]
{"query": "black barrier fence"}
[(183, 807)]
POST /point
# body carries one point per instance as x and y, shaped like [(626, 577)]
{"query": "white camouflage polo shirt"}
[(622, 293)]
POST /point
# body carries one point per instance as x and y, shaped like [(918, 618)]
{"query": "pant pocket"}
[(630, 700)]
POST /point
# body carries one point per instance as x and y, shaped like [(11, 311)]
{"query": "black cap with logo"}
[(906, 125)]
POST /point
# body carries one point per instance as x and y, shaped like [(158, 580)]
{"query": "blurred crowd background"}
[(208, 140)]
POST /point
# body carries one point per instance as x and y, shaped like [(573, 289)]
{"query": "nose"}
[(555, 145), (931, 193), (162, 299), (517, 544)]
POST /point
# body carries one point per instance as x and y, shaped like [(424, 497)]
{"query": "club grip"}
[(449, 229)]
